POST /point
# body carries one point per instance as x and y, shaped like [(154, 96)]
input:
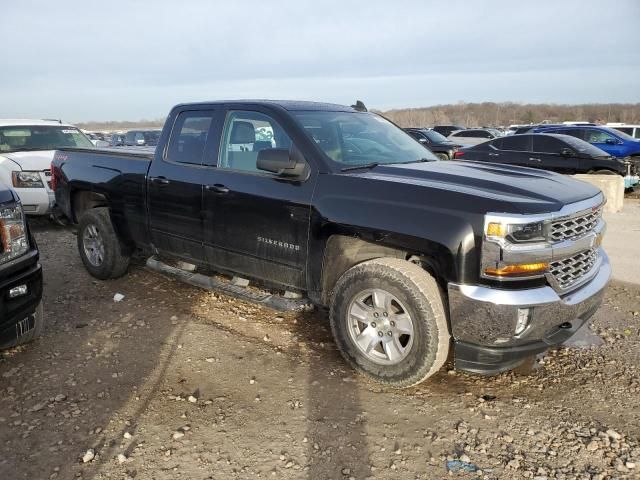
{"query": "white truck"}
[(26, 151)]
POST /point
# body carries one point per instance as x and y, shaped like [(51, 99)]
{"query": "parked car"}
[(446, 130), (442, 147), (633, 130), (141, 138), (117, 140), (21, 316), (406, 251), (610, 140), (474, 136), (97, 139), (558, 153), (26, 151)]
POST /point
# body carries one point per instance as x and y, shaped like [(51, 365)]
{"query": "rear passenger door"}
[(174, 185), (547, 152), (515, 150), (256, 222)]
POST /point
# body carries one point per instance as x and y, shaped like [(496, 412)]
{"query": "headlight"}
[(27, 180), (505, 243), (516, 233), (13, 233)]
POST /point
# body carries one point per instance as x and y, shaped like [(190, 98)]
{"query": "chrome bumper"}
[(487, 316)]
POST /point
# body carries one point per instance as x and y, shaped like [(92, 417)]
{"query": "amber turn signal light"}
[(519, 270)]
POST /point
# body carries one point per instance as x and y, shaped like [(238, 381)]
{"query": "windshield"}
[(357, 138), (41, 137), (435, 137)]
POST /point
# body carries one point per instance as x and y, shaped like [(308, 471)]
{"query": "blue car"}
[(610, 140)]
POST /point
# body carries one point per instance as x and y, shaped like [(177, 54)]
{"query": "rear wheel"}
[(388, 320), (442, 156), (99, 246)]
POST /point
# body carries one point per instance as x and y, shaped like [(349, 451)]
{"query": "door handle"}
[(160, 180), (217, 188), (534, 159), (494, 154)]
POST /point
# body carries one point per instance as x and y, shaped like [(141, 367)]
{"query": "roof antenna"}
[(359, 106)]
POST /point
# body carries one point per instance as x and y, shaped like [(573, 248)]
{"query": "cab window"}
[(189, 137), (245, 135)]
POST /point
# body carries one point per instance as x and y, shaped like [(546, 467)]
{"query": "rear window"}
[(189, 136), (41, 137)]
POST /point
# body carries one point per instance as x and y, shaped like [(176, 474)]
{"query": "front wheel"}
[(388, 320), (442, 156), (99, 246)]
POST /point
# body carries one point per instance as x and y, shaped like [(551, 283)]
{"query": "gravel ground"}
[(173, 382)]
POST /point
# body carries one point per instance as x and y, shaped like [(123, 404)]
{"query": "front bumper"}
[(483, 320), (17, 315), (36, 201)]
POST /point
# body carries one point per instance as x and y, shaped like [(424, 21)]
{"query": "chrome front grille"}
[(571, 270), (568, 228)]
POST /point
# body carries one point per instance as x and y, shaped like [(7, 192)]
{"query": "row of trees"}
[(509, 113), (467, 114)]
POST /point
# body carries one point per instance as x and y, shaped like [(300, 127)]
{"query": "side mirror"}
[(611, 141), (422, 140), (566, 152), (281, 161)]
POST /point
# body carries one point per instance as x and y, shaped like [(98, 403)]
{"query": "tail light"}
[(458, 154), (54, 180)]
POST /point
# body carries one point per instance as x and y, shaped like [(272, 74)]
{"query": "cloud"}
[(133, 59)]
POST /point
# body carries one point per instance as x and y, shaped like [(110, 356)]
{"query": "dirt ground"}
[(174, 382)]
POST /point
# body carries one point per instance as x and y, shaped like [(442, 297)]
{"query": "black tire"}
[(114, 262), (422, 300), (442, 156)]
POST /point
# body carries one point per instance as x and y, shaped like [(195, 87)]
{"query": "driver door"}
[(256, 222)]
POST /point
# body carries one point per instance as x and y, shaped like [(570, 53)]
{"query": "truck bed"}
[(118, 175)]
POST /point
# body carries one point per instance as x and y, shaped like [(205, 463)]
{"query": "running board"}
[(276, 302)]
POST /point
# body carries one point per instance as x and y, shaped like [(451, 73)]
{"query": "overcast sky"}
[(128, 60)]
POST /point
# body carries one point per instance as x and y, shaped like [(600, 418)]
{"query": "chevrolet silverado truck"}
[(414, 257), (21, 317)]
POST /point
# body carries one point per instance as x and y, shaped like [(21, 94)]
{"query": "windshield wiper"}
[(419, 160), (358, 167)]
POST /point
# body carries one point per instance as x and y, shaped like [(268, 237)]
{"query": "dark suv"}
[(21, 317), (442, 147), (142, 138), (446, 130)]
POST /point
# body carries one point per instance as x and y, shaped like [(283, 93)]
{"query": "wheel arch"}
[(343, 252), (83, 200)]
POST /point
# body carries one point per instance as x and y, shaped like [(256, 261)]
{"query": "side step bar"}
[(276, 302)]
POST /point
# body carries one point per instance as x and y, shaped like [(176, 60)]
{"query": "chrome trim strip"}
[(544, 252), (538, 296)]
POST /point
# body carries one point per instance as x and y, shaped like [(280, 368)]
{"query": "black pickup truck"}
[(413, 256), (21, 317)]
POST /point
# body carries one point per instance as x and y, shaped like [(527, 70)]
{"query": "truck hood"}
[(522, 190), (35, 160)]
